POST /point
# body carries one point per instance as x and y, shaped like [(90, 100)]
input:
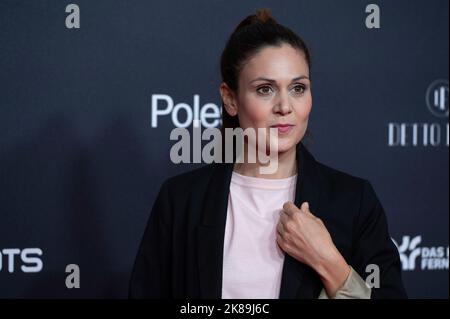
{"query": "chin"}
[(285, 146)]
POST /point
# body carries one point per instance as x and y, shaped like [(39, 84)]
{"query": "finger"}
[(280, 229), (284, 246), (280, 241), (305, 208), (290, 208), (284, 217)]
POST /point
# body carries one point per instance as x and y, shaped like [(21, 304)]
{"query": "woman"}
[(304, 231)]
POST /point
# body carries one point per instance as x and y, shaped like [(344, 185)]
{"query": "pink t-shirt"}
[(252, 260)]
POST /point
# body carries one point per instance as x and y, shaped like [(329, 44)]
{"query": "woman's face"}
[(274, 91)]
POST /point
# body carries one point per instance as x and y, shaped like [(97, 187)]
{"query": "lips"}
[(283, 128)]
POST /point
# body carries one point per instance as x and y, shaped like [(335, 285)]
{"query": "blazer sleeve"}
[(151, 277), (372, 244)]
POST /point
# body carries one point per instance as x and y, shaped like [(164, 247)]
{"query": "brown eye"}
[(264, 90), (299, 89)]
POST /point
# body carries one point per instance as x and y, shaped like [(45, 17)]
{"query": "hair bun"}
[(261, 16)]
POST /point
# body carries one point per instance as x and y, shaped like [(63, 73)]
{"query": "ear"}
[(228, 99)]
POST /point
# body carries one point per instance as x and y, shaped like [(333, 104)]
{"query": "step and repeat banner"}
[(90, 91)]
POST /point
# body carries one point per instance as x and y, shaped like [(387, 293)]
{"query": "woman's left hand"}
[(305, 237)]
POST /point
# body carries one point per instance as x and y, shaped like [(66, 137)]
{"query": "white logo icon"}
[(437, 98), (409, 251)]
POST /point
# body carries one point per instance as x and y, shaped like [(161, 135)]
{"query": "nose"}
[(283, 106)]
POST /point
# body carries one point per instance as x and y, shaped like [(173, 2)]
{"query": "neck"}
[(287, 166)]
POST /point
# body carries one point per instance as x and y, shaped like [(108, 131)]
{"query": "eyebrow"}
[(261, 78)]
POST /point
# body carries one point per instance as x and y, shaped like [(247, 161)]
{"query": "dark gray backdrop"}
[(80, 164)]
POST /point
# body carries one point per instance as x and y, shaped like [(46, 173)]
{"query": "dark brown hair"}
[(253, 34)]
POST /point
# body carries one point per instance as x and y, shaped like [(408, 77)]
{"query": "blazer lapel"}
[(299, 280), (211, 232)]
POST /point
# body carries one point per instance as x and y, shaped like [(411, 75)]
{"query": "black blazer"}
[(181, 253)]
